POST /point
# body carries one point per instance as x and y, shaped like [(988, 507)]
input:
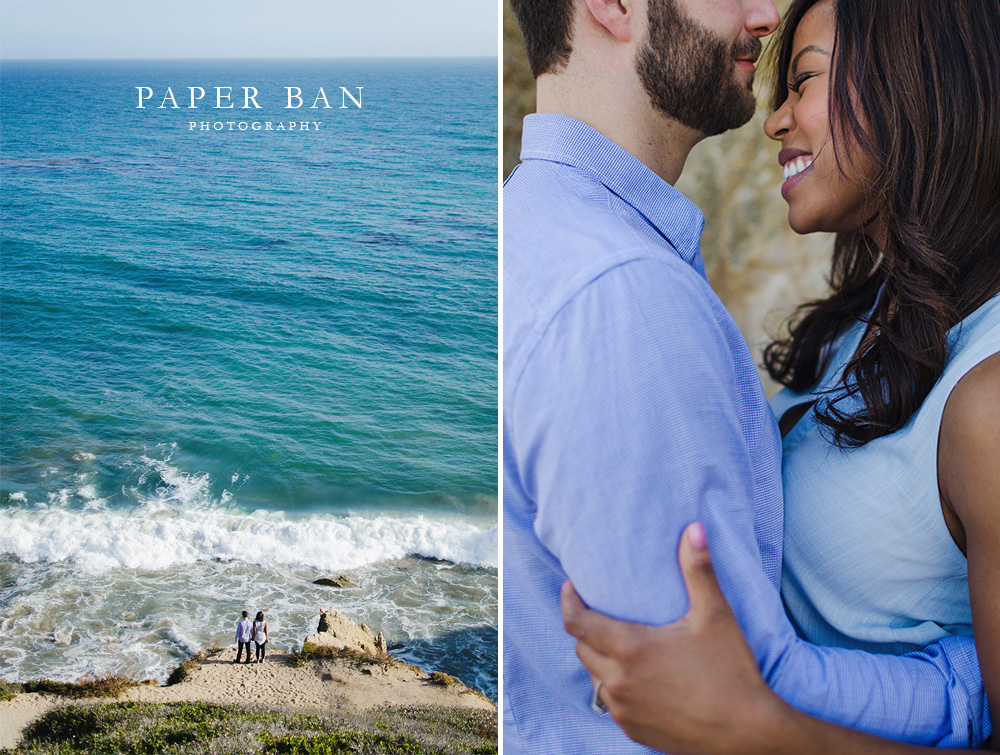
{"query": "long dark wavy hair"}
[(915, 84)]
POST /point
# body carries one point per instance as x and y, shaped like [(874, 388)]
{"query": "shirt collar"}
[(559, 138)]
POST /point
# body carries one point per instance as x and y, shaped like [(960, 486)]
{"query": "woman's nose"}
[(780, 122)]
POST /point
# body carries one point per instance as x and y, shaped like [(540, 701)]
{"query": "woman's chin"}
[(799, 226), (805, 223)]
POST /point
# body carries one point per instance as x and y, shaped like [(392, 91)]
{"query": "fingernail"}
[(696, 535)]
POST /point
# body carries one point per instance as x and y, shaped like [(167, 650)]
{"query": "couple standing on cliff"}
[(246, 631), (634, 418)]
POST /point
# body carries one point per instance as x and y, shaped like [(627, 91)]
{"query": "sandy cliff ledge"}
[(347, 672)]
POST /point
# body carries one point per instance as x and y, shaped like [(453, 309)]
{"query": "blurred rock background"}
[(758, 266)]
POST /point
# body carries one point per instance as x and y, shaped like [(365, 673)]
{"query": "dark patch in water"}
[(430, 559), (266, 242), (385, 239)]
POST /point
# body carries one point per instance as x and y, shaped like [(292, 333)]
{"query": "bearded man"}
[(631, 404)]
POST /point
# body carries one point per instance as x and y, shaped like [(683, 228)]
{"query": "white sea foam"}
[(177, 521), (153, 536)]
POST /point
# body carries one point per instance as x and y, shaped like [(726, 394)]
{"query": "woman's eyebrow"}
[(804, 50)]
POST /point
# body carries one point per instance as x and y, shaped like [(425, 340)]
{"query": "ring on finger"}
[(595, 702)]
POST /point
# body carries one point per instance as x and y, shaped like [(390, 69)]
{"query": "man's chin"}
[(735, 118), (723, 114)]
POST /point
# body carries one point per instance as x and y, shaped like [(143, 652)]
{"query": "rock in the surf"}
[(340, 581)]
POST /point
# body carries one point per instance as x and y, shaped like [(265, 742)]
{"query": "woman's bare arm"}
[(969, 479)]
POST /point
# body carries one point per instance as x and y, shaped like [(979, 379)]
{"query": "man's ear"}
[(617, 16)]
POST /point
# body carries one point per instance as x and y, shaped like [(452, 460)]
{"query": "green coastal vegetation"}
[(198, 728)]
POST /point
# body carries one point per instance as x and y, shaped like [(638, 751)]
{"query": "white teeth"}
[(796, 166)]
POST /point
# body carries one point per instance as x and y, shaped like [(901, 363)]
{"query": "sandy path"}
[(18, 713)]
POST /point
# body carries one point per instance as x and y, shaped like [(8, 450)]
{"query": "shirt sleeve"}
[(627, 430)]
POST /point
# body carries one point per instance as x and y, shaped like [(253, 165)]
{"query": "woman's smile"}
[(794, 163)]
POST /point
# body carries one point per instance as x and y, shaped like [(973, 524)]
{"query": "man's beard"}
[(688, 72)]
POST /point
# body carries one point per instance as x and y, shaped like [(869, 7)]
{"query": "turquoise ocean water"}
[(236, 361)]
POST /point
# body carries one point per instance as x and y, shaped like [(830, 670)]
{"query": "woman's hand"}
[(688, 687)]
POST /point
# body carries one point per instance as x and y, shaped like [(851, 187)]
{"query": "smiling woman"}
[(900, 124), (827, 189)]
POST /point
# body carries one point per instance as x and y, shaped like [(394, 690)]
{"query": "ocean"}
[(237, 359)]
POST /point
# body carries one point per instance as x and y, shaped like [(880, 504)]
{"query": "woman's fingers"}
[(601, 633), (573, 610), (687, 686), (703, 590), (586, 625), (608, 636), (600, 666)]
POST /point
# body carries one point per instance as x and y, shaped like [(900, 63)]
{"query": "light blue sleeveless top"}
[(868, 560)]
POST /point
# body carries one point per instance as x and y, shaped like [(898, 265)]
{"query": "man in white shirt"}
[(244, 631)]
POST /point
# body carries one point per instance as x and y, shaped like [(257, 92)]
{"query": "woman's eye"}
[(795, 84)]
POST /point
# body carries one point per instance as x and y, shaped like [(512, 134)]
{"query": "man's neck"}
[(624, 115)]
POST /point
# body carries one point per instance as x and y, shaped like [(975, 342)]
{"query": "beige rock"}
[(341, 581), (338, 631)]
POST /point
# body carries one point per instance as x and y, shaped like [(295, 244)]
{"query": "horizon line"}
[(4, 58)]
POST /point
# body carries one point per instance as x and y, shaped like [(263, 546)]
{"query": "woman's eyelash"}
[(798, 81)]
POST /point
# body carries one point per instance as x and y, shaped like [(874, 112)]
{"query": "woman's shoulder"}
[(972, 343), (973, 406), (968, 475), (970, 421)]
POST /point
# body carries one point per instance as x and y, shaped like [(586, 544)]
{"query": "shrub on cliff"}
[(107, 686), (9, 690)]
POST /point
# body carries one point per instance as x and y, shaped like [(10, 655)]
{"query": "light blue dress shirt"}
[(631, 407), (868, 559), (244, 628)]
